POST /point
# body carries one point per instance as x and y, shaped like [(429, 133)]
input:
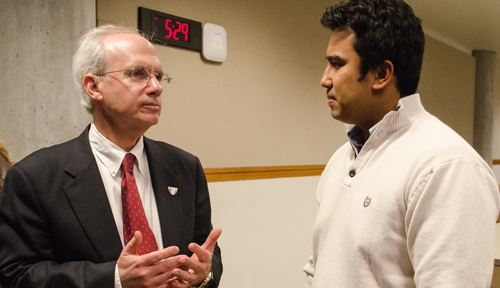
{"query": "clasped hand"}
[(164, 268)]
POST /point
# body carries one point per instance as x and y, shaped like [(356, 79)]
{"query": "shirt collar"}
[(111, 155), (355, 134), (356, 138)]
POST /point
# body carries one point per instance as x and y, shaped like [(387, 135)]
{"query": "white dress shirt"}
[(109, 158)]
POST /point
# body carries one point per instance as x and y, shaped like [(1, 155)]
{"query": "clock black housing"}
[(169, 29)]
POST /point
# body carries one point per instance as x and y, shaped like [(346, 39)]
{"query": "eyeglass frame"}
[(167, 77)]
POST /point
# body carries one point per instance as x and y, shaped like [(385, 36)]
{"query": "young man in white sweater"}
[(406, 202)]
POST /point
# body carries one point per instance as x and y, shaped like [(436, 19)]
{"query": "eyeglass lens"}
[(141, 73)]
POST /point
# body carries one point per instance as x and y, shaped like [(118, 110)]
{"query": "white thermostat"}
[(214, 47)]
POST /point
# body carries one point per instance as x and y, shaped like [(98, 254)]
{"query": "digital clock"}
[(169, 29)]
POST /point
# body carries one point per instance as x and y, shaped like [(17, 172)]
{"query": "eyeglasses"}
[(142, 74)]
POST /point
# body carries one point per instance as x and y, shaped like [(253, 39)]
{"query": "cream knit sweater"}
[(416, 208)]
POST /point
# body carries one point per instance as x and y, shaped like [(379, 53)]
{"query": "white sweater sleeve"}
[(450, 225)]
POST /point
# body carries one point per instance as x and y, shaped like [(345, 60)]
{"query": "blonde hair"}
[(3, 152)]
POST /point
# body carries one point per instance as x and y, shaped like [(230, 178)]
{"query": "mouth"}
[(151, 105), (331, 101)]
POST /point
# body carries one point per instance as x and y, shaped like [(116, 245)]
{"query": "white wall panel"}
[(266, 230)]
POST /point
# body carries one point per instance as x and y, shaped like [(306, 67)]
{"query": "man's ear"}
[(384, 75), (90, 84)]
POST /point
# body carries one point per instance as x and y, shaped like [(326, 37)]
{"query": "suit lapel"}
[(87, 196), (89, 201), (169, 206)]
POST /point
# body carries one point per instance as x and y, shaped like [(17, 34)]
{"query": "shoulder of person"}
[(53, 156), (170, 151)]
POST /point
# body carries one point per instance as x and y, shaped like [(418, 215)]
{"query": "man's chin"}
[(149, 120), (335, 114)]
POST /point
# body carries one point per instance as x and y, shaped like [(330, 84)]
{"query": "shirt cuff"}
[(118, 282)]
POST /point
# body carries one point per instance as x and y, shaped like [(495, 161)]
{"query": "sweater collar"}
[(408, 110)]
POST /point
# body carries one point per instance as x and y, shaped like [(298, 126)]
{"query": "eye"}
[(159, 75), (336, 65), (140, 73)]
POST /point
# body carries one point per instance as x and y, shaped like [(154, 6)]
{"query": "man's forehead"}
[(130, 49), (343, 34), (125, 39), (341, 41)]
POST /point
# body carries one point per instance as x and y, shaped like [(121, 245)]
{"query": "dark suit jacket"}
[(56, 224)]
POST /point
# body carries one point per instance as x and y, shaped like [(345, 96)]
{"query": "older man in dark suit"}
[(98, 210)]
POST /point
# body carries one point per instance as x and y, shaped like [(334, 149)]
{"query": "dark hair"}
[(385, 30)]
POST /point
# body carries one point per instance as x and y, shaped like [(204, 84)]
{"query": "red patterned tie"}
[(134, 218)]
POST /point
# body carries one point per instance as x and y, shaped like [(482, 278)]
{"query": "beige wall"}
[(447, 86), (264, 106)]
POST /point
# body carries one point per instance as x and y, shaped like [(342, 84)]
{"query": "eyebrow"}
[(334, 58), (140, 66)]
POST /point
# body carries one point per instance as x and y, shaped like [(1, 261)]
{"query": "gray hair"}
[(89, 57)]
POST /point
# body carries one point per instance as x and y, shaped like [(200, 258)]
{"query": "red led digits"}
[(177, 30), (182, 28), (185, 29), (169, 29), (172, 29)]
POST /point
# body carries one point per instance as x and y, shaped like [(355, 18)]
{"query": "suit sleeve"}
[(203, 224), (26, 244)]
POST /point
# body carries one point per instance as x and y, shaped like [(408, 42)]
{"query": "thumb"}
[(133, 244)]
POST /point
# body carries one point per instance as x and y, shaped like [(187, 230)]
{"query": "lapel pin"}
[(172, 190)]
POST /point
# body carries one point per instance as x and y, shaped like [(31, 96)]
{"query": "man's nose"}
[(325, 80), (154, 86)]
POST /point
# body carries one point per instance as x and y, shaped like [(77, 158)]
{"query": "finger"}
[(181, 262), (170, 263), (184, 277), (194, 266), (179, 284), (212, 239), (171, 279), (163, 271), (161, 256), (163, 278), (202, 254), (133, 244)]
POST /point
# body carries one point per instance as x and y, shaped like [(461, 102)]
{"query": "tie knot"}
[(128, 163)]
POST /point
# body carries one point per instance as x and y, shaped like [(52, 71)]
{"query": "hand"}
[(195, 269), (150, 270)]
